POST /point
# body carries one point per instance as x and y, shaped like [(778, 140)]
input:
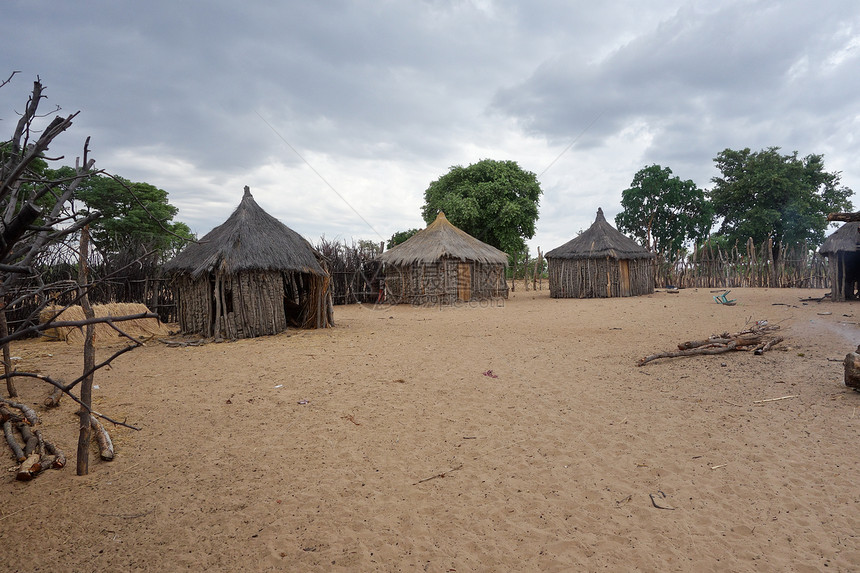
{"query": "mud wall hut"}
[(600, 263), (250, 276), (843, 262), (443, 265)]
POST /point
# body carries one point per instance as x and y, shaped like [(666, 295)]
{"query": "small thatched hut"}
[(842, 250), (250, 276), (443, 265), (600, 263)]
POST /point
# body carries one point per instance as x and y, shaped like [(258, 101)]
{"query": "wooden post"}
[(83, 458)]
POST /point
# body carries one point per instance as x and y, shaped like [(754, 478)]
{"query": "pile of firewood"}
[(759, 338), (30, 449), (36, 453)]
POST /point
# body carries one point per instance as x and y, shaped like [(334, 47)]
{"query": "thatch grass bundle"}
[(140, 328)]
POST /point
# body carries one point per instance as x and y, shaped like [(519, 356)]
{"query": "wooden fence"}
[(141, 284), (355, 274), (751, 266)]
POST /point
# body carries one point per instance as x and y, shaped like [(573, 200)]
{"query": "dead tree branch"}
[(755, 338)]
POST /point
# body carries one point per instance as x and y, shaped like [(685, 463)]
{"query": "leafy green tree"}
[(400, 237), (136, 218), (766, 194), (494, 201), (663, 211)]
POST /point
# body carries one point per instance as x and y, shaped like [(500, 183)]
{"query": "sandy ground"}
[(407, 457)]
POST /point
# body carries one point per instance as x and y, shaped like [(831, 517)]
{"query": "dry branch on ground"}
[(758, 338)]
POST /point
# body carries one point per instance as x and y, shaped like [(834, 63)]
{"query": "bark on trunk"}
[(7, 360), (83, 457)]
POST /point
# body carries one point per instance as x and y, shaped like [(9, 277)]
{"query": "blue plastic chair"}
[(721, 299)]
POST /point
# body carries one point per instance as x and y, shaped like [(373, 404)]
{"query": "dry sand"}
[(550, 466)]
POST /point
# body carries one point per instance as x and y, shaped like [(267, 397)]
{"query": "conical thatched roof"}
[(250, 239), (600, 240), (440, 240), (845, 239)]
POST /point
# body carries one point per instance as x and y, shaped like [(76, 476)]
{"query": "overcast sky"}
[(339, 114)]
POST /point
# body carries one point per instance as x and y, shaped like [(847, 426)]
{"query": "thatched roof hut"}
[(442, 265), (842, 250), (250, 276), (599, 263)]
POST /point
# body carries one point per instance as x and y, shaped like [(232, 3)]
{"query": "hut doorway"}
[(464, 282), (848, 274), (624, 277)]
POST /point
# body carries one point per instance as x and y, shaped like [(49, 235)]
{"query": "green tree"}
[(400, 237), (136, 218), (663, 211), (766, 194), (371, 248), (494, 201)]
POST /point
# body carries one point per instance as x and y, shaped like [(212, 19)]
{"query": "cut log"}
[(8, 415), (30, 440), (103, 438), (53, 399), (13, 442), (59, 460), (30, 467), (29, 414), (40, 443), (764, 347), (852, 369)]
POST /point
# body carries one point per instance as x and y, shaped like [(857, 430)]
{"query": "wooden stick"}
[(691, 352), (657, 505), (439, 475), (762, 348), (13, 443), (775, 399)]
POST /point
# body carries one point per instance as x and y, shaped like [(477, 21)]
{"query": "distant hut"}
[(842, 250), (600, 263), (250, 276), (443, 265)]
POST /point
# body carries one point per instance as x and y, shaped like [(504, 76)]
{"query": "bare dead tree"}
[(38, 220)]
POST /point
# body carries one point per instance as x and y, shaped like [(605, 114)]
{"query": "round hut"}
[(250, 276), (443, 265), (842, 250), (600, 263)]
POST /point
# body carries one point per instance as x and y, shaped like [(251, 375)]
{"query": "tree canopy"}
[(494, 201), (663, 212), (400, 237), (766, 194), (136, 218)]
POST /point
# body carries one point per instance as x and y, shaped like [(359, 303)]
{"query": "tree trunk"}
[(7, 361)]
